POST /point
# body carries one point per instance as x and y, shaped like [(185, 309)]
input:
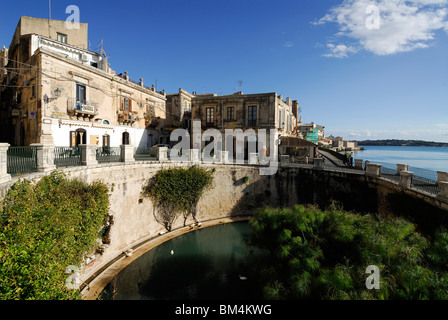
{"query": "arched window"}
[(78, 137), (106, 140), (105, 121)]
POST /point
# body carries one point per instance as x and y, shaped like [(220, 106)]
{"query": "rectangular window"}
[(62, 37), (126, 104), (230, 113), (280, 120), (210, 116), (150, 111), (81, 93), (252, 116)]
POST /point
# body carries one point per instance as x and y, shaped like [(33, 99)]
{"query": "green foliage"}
[(177, 190), (324, 254), (44, 228)]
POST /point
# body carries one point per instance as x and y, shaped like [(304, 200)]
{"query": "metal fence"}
[(389, 171), (67, 156), (424, 184), (21, 160), (422, 179), (108, 154)]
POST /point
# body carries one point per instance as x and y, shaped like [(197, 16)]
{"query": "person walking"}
[(263, 152)]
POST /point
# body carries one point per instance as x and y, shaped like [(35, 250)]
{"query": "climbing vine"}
[(176, 192), (46, 227)]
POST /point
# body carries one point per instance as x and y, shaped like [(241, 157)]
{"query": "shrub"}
[(44, 228), (324, 254)]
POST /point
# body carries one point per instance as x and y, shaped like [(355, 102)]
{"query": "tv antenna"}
[(239, 85)]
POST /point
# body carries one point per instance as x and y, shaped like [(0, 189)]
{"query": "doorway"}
[(125, 138)]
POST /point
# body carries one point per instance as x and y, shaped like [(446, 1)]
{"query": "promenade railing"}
[(21, 160), (422, 179), (108, 154), (24, 160), (67, 156)]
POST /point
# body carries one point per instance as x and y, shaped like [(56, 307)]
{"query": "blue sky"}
[(362, 83)]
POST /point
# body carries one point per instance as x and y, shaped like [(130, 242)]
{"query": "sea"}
[(425, 161)]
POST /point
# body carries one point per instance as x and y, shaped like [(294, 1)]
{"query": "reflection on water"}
[(204, 264)]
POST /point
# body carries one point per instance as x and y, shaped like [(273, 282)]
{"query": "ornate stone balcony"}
[(127, 117), (87, 109)]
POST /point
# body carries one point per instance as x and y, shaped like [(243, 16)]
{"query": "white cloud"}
[(288, 44), (339, 51), (403, 25)]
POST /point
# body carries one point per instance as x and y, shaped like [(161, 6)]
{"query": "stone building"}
[(57, 91), (178, 110), (312, 132), (235, 111)]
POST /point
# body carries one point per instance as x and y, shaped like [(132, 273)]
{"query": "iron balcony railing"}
[(21, 160), (67, 156), (108, 154)]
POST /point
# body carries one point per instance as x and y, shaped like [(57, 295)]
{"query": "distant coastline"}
[(397, 143)]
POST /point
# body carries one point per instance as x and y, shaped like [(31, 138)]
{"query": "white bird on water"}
[(242, 277), (172, 252)]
